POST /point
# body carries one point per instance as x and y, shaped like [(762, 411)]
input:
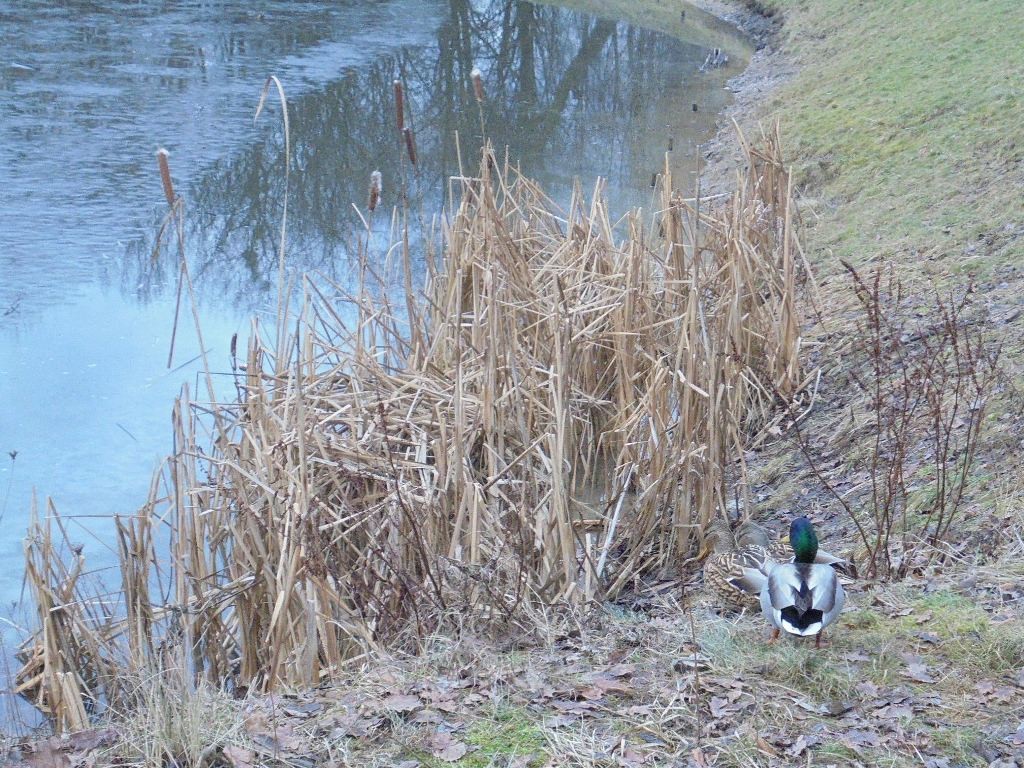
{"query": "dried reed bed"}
[(555, 416)]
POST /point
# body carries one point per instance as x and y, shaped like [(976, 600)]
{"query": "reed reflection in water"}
[(570, 95)]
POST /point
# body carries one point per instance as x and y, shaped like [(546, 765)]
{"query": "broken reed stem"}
[(173, 217), (562, 383)]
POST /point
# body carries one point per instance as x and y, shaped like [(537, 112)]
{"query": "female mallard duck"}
[(721, 566), (802, 597)]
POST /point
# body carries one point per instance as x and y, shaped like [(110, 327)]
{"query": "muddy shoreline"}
[(767, 71)]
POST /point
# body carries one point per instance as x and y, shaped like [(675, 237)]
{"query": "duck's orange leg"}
[(817, 640), (775, 636)]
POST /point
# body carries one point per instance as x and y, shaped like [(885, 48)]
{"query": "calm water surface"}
[(89, 91)]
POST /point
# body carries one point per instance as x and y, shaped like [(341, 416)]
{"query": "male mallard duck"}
[(802, 597), (730, 559), (752, 537)]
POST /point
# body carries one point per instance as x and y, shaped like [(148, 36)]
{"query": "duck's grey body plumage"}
[(802, 598), (738, 566)]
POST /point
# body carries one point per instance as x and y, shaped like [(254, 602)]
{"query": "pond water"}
[(89, 91)]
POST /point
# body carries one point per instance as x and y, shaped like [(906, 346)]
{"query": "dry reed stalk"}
[(556, 423), (375, 191), (410, 145), (399, 106), (478, 84), (162, 156)]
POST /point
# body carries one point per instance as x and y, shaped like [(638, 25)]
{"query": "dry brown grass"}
[(554, 417)]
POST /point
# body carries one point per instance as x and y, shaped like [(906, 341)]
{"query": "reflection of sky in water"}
[(89, 91), (87, 437), (111, 82)]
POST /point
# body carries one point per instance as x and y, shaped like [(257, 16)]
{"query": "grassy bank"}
[(905, 123)]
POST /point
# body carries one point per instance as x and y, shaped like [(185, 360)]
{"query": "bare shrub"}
[(926, 371)]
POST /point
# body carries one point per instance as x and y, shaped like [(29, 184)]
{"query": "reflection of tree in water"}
[(568, 93)]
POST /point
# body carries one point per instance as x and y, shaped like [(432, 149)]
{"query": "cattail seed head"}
[(376, 189), (478, 84), (165, 174), (399, 106), (410, 145)]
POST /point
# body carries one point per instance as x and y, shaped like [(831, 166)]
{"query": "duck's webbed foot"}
[(774, 636), (819, 638)]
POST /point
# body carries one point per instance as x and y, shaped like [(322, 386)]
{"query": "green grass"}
[(797, 665), (960, 744), (970, 646), (511, 733), (836, 753), (508, 733), (908, 123)]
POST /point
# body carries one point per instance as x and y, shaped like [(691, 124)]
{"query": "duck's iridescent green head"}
[(803, 540)]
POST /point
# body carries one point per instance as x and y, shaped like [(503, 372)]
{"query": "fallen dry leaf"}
[(810, 706), (84, 741), (601, 688), (349, 724), (402, 702), (426, 717), (275, 735), (301, 709), (799, 746), (445, 747), (765, 747), (239, 757), (630, 757), (697, 758), (1017, 739), (48, 753), (561, 721), (856, 739), (895, 712), (1004, 694), (620, 670), (918, 672), (720, 706), (568, 705), (693, 661)]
